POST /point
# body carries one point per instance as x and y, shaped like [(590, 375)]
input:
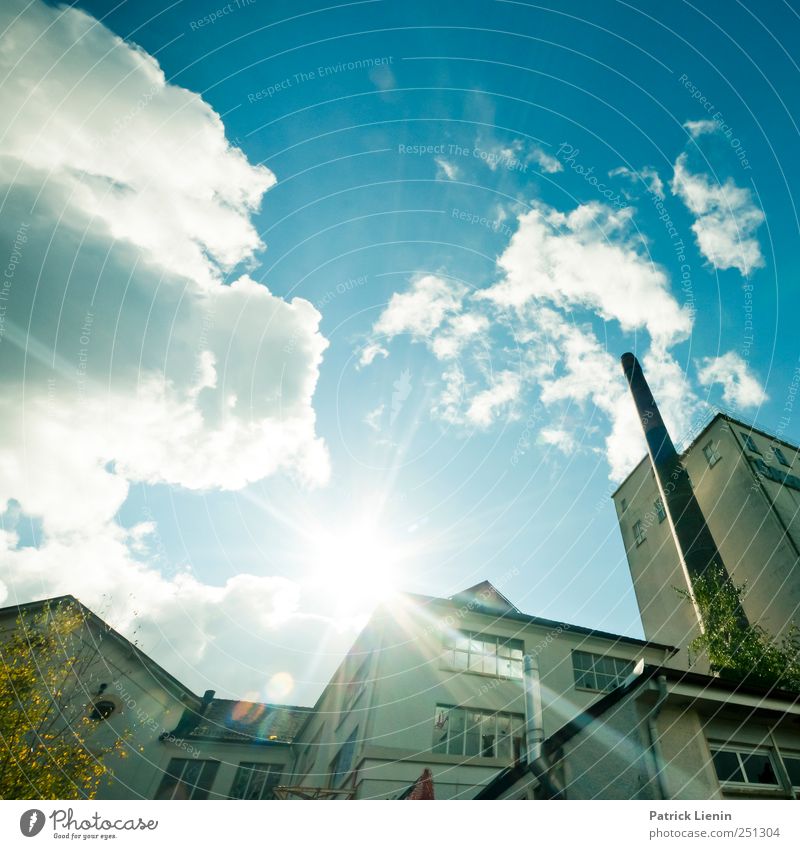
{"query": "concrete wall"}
[(749, 518)]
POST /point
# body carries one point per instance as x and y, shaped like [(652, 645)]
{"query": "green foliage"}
[(49, 746), (735, 648)]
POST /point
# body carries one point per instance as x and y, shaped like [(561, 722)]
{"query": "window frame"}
[(749, 442), (338, 774), (711, 454), (622, 668), (639, 532), (256, 768), (781, 457), (741, 752), (661, 510), (472, 734), (496, 650), (199, 790)]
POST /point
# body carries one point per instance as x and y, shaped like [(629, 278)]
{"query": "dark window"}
[(744, 767), (187, 779), (477, 733), (749, 444), (781, 456), (660, 511), (599, 672), (340, 765), (639, 533), (623, 505), (255, 781), (793, 768)]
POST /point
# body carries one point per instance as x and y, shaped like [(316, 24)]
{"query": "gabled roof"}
[(485, 596), (34, 606)]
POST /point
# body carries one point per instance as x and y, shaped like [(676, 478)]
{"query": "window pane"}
[(490, 664), (504, 666), (727, 766), (456, 722), (462, 642), (516, 669), (504, 737), (473, 737), (504, 650), (758, 769), (460, 660), (793, 768), (475, 662), (475, 647), (490, 647)]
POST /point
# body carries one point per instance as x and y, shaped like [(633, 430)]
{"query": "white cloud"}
[(561, 439), (503, 391), (446, 170), (647, 175), (740, 388), (152, 369), (700, 128), (726, 219), (147, 160), (549, 164), (421, 309), (586, 258)]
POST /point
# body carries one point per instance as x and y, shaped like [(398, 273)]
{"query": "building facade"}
[(747, 484)]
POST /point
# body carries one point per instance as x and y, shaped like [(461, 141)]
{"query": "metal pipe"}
[(652, 737), (534, 726)]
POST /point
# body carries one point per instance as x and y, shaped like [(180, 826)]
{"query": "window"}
[(711, 454), (744, 767), (255, 781), (748, 442), (357, 684), (660, 511), (599, 672), (471, 733), (470, 652), (639, 533), (781, 457), (340, 765), (624, 505), (792, 764), (187, 779)]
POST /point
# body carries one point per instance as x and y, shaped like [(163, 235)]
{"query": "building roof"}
[(750, 428), (513, 614), (232, 721), (508, 777)]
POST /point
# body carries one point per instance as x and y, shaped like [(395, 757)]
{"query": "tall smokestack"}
[(696, 546)]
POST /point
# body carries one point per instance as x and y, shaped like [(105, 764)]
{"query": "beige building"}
[(747, 484)]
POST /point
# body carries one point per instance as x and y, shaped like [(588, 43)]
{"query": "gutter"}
[(653, 743)]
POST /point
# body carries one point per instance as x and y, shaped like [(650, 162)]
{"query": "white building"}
[(747, 484)]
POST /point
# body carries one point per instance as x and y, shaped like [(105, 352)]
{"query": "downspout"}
[(653, 743), (534, 728)]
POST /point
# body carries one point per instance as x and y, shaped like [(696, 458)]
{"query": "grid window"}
[(781, 457), (492, 655), (735, 766), (792, 765), (624, 504), (187, 779), (472, 733), (599, 672), (660, 511), (749, 444), (340, 765), (639, 533), (711, 454), (255, 781)]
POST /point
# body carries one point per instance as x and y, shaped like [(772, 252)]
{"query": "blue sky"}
[(309, 302)]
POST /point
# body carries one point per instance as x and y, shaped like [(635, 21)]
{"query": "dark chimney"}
[(696, 546)]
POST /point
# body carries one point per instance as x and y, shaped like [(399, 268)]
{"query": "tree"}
[(737, 649), (53, 734)]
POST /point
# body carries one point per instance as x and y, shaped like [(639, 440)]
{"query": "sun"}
[(356, 566)]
